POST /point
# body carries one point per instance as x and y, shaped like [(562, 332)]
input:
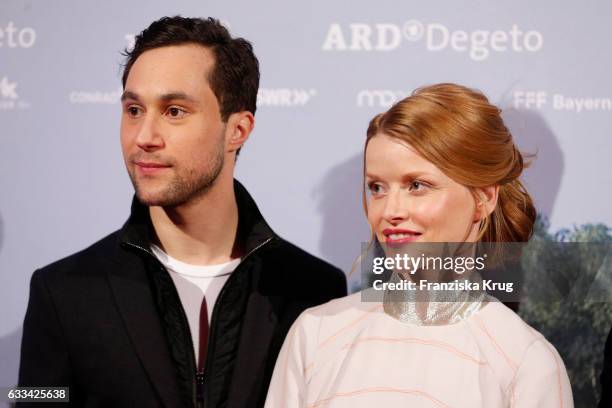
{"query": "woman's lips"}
[(394, 236)]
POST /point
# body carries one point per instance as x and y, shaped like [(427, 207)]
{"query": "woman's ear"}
[(486, 201), (239, 127)]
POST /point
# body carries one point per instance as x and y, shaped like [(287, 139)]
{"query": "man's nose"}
[(149, 137)]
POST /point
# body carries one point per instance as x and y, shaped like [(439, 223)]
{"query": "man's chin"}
[(153, 199), (173, 195)]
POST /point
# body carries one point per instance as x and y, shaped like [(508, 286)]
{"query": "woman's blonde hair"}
[(460, 132)]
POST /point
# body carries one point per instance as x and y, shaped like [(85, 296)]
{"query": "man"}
[(188, 304)]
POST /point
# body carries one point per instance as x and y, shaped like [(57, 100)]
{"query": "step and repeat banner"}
[(327, 68)]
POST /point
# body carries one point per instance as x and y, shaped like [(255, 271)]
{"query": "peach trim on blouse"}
[(416, 340), (362, 391), (348, 326), (500, 350)]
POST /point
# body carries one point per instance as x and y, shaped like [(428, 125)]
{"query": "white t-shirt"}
[(192, 283)]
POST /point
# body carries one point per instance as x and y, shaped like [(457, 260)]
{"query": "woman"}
[(440, 166)]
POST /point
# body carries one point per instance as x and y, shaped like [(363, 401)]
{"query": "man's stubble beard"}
[(189, 188)]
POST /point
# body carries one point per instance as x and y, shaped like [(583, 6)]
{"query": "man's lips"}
[(395, 236), (150, 167)]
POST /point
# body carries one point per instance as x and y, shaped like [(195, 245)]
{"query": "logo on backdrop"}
[(9, 97), (12, 36), (383, 98), (542, 99), (284, 97), (8, 89), (478, 45), (521, 99), (95, 97)]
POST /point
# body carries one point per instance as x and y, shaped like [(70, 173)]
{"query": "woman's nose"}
[(396, 207)]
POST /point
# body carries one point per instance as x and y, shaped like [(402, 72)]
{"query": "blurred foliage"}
[(578, 319)]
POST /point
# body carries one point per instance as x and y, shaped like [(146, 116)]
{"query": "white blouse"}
[(349, 353)]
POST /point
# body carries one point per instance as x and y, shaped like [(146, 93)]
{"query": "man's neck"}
[(202, 231)]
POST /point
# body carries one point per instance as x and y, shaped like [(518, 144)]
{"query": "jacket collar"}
[(253, 230)]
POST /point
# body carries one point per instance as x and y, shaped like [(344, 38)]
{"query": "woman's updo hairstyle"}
[(459, 131)]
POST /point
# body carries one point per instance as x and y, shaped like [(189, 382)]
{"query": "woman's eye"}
[(417, 186), (375, 188)]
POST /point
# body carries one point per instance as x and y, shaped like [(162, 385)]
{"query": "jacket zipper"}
[(185, 322), (200, 378), (210, 351)]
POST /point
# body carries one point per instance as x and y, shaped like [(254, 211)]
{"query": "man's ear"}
[(486, 201), (239, 127)]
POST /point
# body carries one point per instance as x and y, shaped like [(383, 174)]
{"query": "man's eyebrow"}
[(173, 96), (129, 95)]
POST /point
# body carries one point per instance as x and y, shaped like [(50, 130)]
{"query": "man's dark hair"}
[(234, 79)]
